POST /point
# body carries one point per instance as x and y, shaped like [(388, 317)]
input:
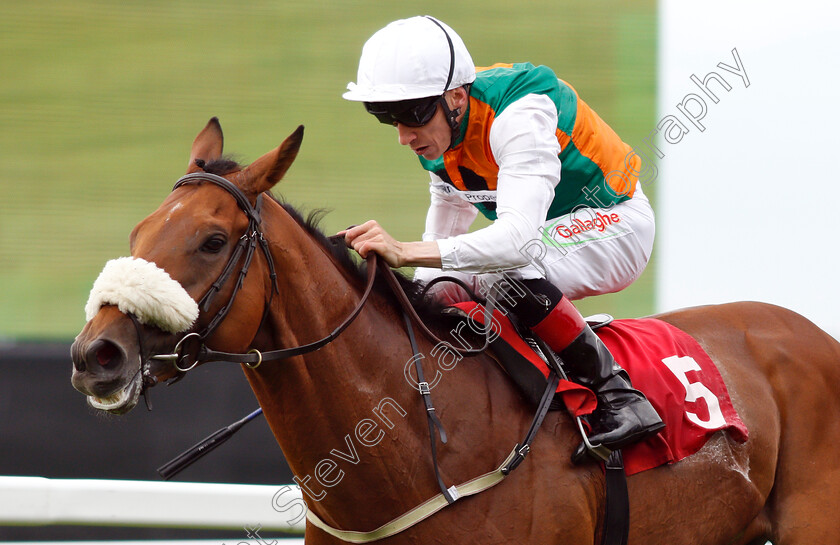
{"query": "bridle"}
[(247, 243), (184, 360), (243, 251)]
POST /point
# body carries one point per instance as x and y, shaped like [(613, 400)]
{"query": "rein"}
[(247, 244)]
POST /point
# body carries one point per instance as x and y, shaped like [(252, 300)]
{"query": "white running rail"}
[(38, 501), (268, 540)]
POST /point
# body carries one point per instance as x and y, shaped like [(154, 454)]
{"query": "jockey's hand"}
[(371, 237)]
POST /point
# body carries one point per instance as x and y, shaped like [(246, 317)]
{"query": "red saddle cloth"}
[(670, 368)]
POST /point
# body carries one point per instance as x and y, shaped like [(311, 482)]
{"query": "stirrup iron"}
[(599, 451)]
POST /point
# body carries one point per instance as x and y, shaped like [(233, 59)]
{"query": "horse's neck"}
[(348, 401), (349, 418)]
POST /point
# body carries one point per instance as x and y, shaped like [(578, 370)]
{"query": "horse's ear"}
[(207, 146), (262, 174)]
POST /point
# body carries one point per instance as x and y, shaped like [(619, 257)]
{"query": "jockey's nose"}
[(407, 134)]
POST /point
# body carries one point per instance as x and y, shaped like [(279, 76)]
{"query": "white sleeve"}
[(448, 214), (524, 143)]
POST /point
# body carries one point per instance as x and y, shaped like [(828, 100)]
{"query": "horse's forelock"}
[(221, 166)]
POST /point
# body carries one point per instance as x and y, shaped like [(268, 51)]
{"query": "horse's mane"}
[(426, 307)]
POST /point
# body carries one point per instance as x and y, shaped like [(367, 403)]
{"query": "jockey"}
[(517, 144)]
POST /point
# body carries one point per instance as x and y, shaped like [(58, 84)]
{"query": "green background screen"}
[(100, 101)]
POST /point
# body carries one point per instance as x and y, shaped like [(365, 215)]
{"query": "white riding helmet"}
[(411, 58)]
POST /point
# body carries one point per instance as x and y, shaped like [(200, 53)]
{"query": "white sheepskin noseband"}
[(145, 290)]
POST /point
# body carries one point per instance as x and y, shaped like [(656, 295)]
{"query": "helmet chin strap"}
[(452, 120)]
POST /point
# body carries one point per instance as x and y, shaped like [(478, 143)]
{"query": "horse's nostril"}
[(103, 352), (107, 353)]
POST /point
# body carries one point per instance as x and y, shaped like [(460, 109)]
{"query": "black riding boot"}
[(624, 415)]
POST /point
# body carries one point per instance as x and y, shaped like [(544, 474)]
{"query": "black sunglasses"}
[(411, 113)]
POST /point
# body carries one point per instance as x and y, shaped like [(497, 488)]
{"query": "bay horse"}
[(353, 429)]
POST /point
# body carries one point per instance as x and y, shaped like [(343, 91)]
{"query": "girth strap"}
[(448, 495), (419, 513)]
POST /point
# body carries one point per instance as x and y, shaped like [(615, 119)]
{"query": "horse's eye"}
[(214, 244)]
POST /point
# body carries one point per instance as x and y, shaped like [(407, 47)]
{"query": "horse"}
[(354, 432)]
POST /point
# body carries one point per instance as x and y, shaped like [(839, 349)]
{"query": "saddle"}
[(517, 352), (665, 363)]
